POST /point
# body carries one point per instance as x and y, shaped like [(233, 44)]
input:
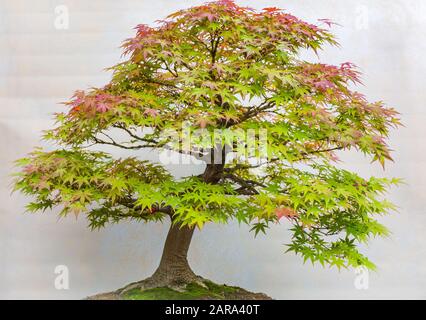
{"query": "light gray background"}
[(41, 66)]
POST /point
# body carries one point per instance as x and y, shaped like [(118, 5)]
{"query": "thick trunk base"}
[(153, 282), (174, 278), (174, 270)]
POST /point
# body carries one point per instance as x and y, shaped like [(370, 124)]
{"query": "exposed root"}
[(197, 289), (177, 284)]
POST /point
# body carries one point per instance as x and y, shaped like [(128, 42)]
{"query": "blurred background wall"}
[(41, 65)]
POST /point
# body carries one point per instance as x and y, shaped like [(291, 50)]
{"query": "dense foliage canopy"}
[(222, 66)]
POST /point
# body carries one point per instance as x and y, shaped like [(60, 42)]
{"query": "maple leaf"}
[(143, 30), (77, 98), (347, 65), (328, 22), (210, 85), (30, 168), (203, 122), (333, 157), (227, 3), (90, 103), (285, 212), (75, 109), (272, 9), (103, 107), (76, 211), (151, 112), (324, 84), (42, 184), (219, 68), (210, 16), (228, 116)]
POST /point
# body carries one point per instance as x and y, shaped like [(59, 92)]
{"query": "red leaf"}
[(143, 30), (103, 107), (201, 15), (285, 212), (324, 84), (272, 9), (151, 112), (347, 65), (328, 22), (30, 169), (75, 109)]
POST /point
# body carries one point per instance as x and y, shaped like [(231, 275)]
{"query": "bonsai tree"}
[(222, 67)]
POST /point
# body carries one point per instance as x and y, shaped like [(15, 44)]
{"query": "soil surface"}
[(192, 291)]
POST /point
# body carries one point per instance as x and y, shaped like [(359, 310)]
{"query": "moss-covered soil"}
[(193, 291)]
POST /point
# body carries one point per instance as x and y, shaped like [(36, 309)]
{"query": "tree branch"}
[(304, 157), (133, 135), (252, 112), (115, 144), (130, 203), (247, 187)]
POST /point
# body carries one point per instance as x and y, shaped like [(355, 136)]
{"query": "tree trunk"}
[(174, 270), (174, 267), (213, 173)]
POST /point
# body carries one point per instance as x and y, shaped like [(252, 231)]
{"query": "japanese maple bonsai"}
[(220, 66)]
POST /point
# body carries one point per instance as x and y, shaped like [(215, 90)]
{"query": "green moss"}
[(192, 291)]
